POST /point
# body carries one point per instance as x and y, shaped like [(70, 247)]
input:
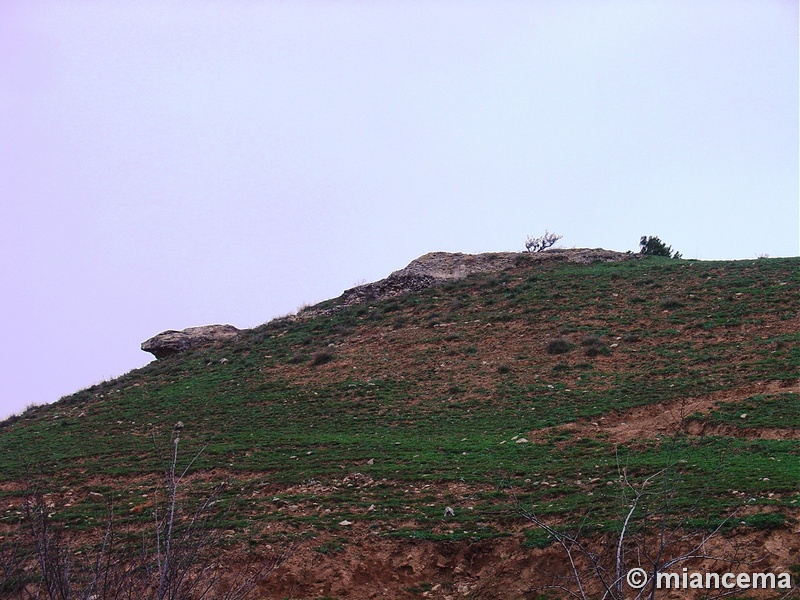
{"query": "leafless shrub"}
[(12, 574), (651, 533), (645, 537), (178, 558), (542, 242), (63, 569)]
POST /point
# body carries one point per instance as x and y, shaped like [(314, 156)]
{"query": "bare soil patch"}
[(669, 418)]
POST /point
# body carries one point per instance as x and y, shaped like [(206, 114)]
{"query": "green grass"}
[(459, 371), (763, 410)]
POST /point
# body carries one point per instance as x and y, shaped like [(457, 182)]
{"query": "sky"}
[(171, 164)]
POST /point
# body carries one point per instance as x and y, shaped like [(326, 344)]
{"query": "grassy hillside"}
[(536, 386)]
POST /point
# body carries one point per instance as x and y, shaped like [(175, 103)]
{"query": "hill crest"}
[(551, 385), (436, 268)]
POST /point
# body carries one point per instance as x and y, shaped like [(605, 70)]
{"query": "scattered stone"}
[(345, 523), (449, 512)]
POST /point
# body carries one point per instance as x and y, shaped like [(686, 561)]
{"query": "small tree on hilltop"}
[(653, 246), (541, 243)]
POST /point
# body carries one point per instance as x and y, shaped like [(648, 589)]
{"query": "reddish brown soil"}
[(669, 418), (370, 566)]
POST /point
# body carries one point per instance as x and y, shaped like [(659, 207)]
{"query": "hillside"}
[(410, 438)]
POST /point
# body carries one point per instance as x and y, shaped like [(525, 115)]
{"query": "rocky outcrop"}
[(394, 285), (428, 270), (438, 267), (172, 342)]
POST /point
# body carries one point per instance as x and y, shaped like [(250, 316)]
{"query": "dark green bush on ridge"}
[(652, 246)]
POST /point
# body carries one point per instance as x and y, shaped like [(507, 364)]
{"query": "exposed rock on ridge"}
[(172, 342), (438, 267), (428, 270)]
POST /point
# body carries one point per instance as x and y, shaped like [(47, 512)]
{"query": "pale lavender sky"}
[(169, 164)]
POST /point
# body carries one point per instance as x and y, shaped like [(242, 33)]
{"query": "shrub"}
[(591, 340), (596, 349), (559, 346), (652, 246), (296, 359), (180, 557), (321, 357), (594, 345), (670, 303), (541, 243)]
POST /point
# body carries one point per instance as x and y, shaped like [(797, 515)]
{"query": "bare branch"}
[(541, 243)]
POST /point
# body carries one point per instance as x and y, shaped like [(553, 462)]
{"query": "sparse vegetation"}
[(591, 340), (670, 303), (593, 345), (321, 357), (178, 558), (559, 346), (423, 407), (648, 533), (780, 410)]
